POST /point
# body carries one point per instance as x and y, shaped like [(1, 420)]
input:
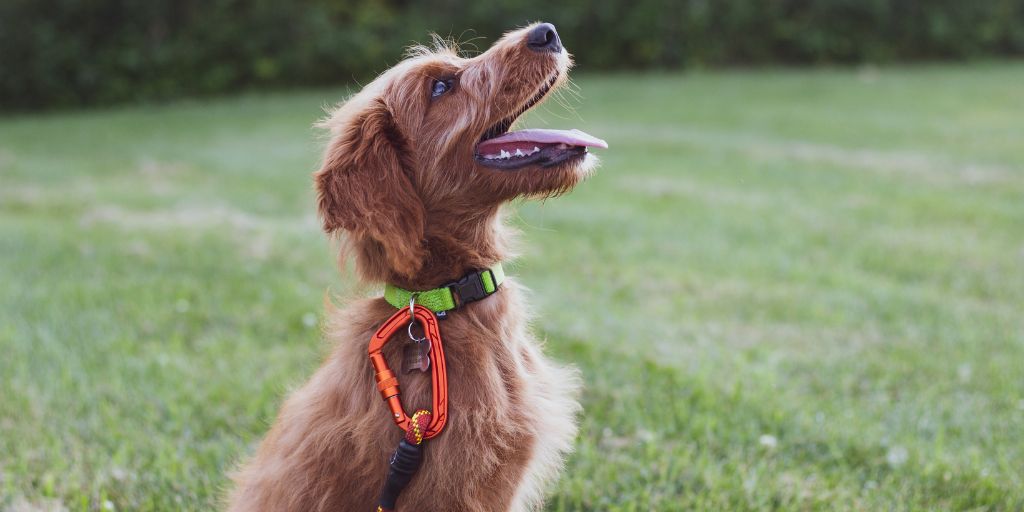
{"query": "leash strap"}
[(405, 461), (471, 287)]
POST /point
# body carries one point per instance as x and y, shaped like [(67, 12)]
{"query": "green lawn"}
[(786, 290)]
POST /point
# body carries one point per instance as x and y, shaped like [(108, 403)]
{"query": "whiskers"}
[(567, 95)]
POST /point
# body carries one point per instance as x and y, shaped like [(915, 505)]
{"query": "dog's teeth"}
[(504, 155)]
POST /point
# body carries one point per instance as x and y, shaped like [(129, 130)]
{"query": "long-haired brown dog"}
[(419, 165)]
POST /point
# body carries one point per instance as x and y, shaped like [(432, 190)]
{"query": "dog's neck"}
[(455, 244)]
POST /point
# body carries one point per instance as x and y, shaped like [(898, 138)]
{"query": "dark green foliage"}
[(83, 52)]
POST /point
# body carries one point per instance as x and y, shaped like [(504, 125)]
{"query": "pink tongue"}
[(541, 136)]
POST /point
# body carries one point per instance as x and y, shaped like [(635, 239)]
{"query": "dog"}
[(419, 164)]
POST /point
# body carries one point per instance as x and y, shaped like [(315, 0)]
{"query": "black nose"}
[(544, 38)]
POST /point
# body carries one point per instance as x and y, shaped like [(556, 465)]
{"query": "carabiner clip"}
[(387, 382)]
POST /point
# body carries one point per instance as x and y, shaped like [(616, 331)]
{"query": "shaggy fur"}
[(400, 181)]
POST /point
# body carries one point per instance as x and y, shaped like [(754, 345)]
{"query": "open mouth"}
[(505, 150)]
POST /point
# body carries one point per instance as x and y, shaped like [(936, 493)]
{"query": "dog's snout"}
[(544, 38)]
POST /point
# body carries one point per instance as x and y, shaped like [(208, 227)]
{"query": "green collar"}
[(473, 286)]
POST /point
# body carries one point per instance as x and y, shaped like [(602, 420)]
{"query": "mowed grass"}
[(790, 290)]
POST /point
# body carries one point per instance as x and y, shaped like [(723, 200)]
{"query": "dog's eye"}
[(440, 87)]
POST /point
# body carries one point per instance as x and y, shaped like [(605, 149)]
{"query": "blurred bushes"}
[(85, 52)]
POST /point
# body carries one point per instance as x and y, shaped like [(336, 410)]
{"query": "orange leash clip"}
[(387, 381)]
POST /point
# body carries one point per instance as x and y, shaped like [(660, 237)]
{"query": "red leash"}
[(423, 424)]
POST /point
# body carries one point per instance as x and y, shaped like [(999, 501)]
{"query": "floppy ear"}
[(364, 188)]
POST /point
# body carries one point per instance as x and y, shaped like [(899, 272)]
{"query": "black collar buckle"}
[(469, 288)]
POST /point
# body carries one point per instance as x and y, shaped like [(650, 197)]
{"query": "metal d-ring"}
[(412, 319)]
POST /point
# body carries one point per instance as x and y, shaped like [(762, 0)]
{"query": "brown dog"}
[(418, 168)]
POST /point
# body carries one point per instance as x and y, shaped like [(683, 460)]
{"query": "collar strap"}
[(471, 287)]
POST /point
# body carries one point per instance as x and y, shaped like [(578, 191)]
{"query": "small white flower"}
[(646, 436), (897, 456), (108, 505), (964, 373), (309, 320), (768, 441)]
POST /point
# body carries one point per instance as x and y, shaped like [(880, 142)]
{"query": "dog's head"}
[(422, 157)]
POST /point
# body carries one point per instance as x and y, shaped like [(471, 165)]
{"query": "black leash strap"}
[(404, 463)]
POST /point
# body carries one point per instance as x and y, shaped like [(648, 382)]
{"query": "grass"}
[(789, 290)]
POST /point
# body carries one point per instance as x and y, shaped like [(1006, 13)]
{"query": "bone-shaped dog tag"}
[(415, 356)]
